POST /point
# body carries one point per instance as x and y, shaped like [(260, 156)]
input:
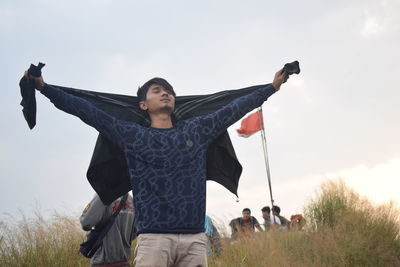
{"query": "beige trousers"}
[(171, 250)]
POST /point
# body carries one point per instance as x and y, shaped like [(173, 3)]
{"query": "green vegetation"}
[(343, 229)]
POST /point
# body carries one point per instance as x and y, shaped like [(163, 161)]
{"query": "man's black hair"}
[(142, 91), (276, 209), (266, 209), (246, 209)]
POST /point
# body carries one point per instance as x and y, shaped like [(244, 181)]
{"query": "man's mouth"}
[(165, 100)]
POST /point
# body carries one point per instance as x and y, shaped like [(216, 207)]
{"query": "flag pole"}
[(264, 143)]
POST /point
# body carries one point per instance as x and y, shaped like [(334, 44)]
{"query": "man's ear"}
[(143, 105)]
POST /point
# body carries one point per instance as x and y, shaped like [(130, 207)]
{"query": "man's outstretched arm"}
[(257, 225), (86, 111), (217, 122)]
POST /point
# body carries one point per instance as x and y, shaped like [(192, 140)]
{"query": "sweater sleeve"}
[(215, 123), (106, 124)]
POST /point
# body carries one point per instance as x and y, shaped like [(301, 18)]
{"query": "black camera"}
[(292, 68)]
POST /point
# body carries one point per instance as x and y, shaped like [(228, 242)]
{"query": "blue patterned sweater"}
[(167, 167)]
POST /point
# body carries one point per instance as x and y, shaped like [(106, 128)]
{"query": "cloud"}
[(379, 183), (372, 25), (382, 19), (7, 18), (301, 89)]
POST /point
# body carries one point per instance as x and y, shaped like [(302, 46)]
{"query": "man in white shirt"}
[(270, 221)]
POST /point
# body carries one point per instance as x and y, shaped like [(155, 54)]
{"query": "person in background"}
[(244, 225), (214, 245), (116, 248), (285, 223), (270, 221), (297, 222)]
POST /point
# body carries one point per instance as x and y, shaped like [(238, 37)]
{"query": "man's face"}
[(158, 99), (265, 214), (246, 215)]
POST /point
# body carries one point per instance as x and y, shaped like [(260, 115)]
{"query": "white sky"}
[(338, 118)]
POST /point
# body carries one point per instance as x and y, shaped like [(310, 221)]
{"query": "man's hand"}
[(280, 77), (39, 82)]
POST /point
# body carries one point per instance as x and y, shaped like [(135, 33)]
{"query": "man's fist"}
[(39, 82), (280, 77)]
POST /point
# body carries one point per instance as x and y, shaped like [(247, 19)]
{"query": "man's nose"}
[(164, 93)]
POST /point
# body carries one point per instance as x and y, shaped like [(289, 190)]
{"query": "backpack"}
[(94, 240)]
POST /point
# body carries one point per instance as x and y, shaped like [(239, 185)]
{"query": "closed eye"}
[(156, 90)]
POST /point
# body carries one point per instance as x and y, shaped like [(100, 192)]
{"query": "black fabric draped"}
[(107, 172)]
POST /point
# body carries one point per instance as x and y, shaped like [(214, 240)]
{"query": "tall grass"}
[(343, 229), (41, 242), (358, 232)]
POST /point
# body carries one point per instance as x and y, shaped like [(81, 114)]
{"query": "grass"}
[(41, 242), (343, 229)]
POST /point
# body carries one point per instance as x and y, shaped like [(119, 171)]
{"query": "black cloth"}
[(292, 68), (28, 94), (107, 171)]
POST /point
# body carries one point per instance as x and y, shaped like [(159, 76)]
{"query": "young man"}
[(244, 225), (116, 248), (166, 165), (270, 221), (276, 210)]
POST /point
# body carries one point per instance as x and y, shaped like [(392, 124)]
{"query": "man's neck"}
[(161, 120)]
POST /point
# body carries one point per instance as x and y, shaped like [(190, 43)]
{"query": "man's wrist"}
[(40, 86), (275, 87)]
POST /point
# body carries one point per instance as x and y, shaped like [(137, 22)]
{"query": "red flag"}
[(251, 124)]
